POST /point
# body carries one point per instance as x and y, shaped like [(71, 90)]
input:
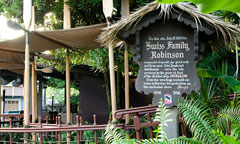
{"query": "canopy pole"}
[(26, 88), (34, 81), (0, 99), (68, 88), (34, 98), (27, 16), (125, 12), (67, 25), (26, 83), (112, 81)]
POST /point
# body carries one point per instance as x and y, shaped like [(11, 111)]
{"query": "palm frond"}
[(197, 116)]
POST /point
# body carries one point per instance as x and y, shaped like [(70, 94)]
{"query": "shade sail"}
[(78, 38), (10, 56), (11, 66), (83, 37)]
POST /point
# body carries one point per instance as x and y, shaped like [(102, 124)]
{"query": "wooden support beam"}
[(26, 83), (34, 82), (67, 25), (66, 16), (112, 81), (68, 95), (34, 93), (124, 8), (0, 98), (125, 12)]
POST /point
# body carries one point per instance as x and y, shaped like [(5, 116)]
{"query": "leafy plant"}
[(233, 83), (202, 123), (117, 136), (207, 7)]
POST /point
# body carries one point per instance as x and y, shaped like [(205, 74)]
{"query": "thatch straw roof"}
[(226, 31)]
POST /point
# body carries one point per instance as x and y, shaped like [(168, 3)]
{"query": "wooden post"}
[(112, 81), (67, 25), (124, 8), (68, 88), (126, 73), (26, 83), (34, 82), (125, 13), (26, 88), (34, 98), (0, 99), (66, 16)]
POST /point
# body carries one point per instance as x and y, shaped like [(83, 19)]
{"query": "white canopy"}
[(12, 51)]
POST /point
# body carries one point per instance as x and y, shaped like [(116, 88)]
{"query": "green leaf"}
[(207, 6), (233, 83)]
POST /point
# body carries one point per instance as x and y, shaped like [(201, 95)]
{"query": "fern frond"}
[(125, 141), (161, 117), (113, 134), (153, 141), (185, 140), (197, 116), (225, 117)]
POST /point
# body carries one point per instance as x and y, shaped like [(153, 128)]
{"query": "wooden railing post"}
[(78, 133), (10, 125), (95, 132), (136, 122), (40, 126), (56, 134), (59, 134), (81, 121), (149, 128), (46, 123)]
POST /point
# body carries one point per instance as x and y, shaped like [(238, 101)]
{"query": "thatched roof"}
[(225, 30)]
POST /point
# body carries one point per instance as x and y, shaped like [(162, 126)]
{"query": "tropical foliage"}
[(117, 136), (202, 123), (206, 128), (207, 7)]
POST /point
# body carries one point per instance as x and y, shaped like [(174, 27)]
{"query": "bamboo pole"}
[(67, 25), (68, 94), (0, 99), (26, 83), (34, 81), (112, 81), (34, 93), (26, 88), (34, 84), (68, 87), (66, 16), (125, 13), (34, 104)]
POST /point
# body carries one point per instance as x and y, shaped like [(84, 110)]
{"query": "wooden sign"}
[(167, 54)]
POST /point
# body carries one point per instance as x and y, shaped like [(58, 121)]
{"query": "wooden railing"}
[(136, 113), (43, 130)]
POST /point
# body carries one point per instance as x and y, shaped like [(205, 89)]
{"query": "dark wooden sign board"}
[(167, 56)]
